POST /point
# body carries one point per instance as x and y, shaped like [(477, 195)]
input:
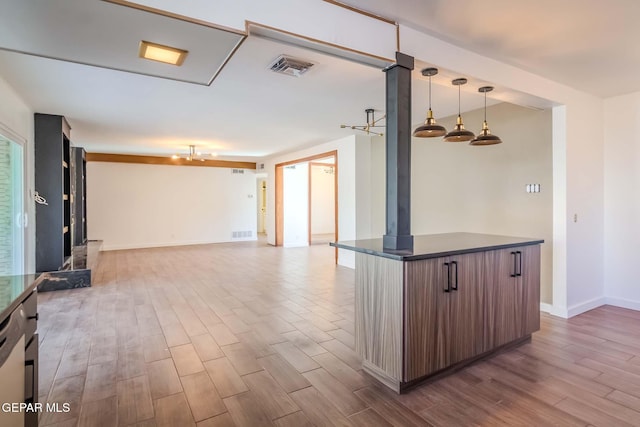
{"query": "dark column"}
[(398, 146)]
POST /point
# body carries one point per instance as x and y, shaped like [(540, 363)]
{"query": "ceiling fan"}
[(372, 122), (194, 155)]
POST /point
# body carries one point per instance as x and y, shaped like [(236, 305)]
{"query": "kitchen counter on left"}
[(14, 290)]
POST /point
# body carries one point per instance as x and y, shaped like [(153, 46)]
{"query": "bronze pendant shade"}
[(459, 133), (485, 137), (430, 129)]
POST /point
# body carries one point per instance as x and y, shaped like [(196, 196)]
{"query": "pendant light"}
[(429, 129), (485, 137), (459, 133)]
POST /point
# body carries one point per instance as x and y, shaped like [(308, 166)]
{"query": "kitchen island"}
[(453, 299)]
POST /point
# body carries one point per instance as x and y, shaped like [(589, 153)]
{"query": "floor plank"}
[(273, 399), (134, 400), (285, 374), (202, 396), (225, 378), (99, 413), (173, 411), (336, 392), (186, 360), (163, 378), (245, 411)]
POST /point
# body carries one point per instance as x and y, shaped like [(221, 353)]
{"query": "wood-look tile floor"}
[(249, 335)]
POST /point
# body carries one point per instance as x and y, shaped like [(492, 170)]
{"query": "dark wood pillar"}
[(398, 146)]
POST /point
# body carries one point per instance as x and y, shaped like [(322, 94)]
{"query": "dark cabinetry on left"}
[(60, 172), (53, 183), (79, 196)]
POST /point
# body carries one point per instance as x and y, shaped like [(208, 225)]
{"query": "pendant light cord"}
[(429, 92), (458, 100), (485, 106)]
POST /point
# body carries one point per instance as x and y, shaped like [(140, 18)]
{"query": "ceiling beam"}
[(155, 160)]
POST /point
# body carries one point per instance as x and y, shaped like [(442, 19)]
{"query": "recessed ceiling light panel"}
[(161, 53)]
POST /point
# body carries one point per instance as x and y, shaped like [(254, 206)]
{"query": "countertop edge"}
[(17, 301), (407, 257)]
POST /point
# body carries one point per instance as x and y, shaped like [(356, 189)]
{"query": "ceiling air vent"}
[(290, 66)]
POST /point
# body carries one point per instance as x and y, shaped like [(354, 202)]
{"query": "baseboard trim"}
[(589, 305), (576, 309), (107, 247), (553, 310), (623, 303), (546, 308)]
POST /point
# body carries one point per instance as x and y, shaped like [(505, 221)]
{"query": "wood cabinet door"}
[(503, 298), (530, 282), (426, 319), (465, 330)]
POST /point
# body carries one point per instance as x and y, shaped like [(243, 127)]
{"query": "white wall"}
[(17, 117), (322, 200), (458, 187), (346, 161), (136, 205), (622, 200), (295, 203)]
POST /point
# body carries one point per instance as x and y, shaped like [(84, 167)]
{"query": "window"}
[(12, 206)]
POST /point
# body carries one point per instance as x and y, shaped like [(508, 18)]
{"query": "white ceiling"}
[(248, 111), (108, 35), (590, 45)]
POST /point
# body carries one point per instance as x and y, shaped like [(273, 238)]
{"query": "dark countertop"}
[(14, 289), (438, 245)]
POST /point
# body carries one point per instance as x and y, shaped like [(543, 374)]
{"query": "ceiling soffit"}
[(84, 32)]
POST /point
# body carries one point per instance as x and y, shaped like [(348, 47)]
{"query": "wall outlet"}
[(532, 188)]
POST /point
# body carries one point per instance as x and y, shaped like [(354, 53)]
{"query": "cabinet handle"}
[(515, 265), (455, 264), (448, 288), (519, 254)]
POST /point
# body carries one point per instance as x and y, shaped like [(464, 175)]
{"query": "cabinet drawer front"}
[(30, 306)]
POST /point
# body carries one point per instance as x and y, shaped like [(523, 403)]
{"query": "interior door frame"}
[(311, 165), (279, 195)]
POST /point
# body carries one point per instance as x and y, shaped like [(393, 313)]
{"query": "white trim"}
[(553, 310), (576, 309), (589, 305), (107, 247), (623, 302), (546, 308)]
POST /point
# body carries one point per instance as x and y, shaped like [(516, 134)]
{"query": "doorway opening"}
[(322, 189), (306, 208)]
